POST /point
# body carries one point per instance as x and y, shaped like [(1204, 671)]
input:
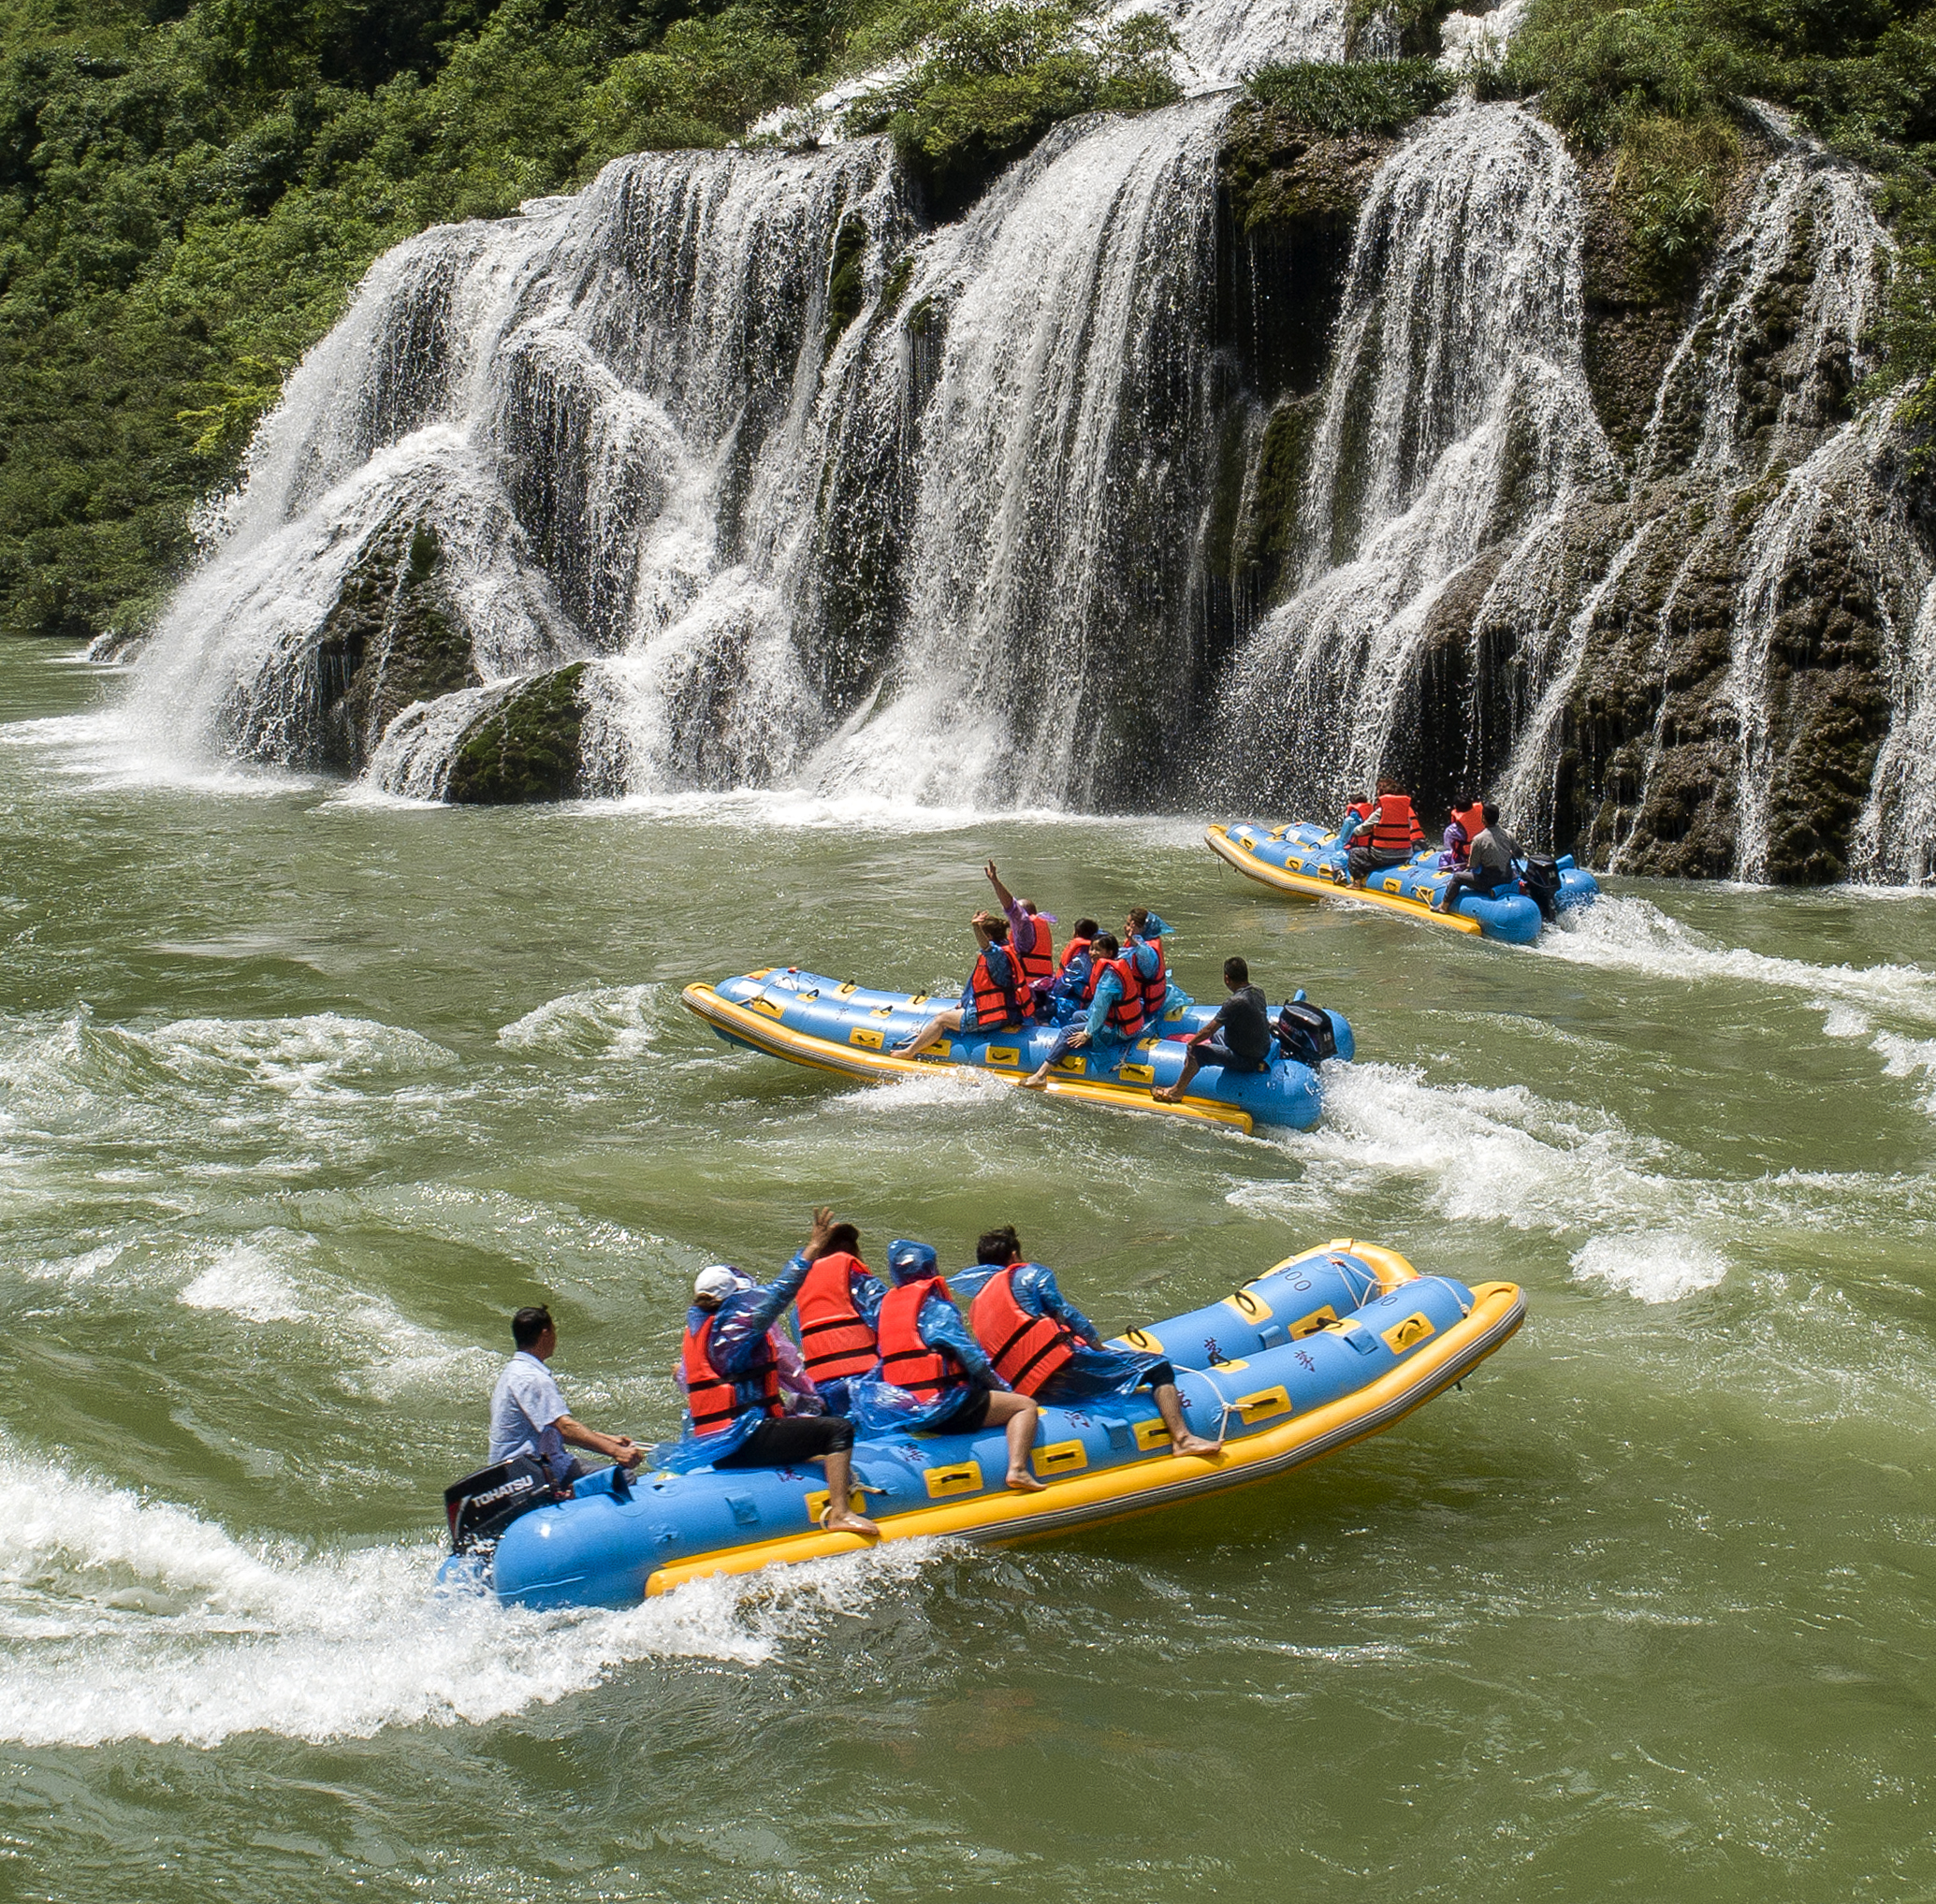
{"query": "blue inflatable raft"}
[(1329, 1347), (838, 1025), (1310, 861)]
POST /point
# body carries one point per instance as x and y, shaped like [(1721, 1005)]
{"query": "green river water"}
[(301, 1095)]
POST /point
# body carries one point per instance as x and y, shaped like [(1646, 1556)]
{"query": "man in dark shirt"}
[(1488, 866), (1238, 1038)]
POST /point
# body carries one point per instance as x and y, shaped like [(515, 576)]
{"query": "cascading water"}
[(1456, 412), (732, 462)]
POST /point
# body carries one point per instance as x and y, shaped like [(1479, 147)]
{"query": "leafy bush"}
[(989, 81), (1368, 96), (1668, 183)]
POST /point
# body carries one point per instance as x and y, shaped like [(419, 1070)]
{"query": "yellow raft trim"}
[(1117, 1494), (854, 1061), (1309, 886)]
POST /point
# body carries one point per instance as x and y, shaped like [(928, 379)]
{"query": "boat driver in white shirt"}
[(528, 1413)]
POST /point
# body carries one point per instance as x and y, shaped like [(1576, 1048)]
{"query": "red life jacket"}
[(906, 1359), (835, 1339), (1073, 949), (998, 1006), (1156, 991), (1127, 1015), (713, 1402), (1026, 1350), (1360, 809), (1039, 961), (1473, 819), (1397, 827)]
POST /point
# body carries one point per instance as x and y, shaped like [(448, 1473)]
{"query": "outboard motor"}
[(482, 1506), (1304, 1034), (1541, 880)]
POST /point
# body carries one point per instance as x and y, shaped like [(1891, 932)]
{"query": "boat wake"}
[(1640, 1216), (122, 1618)]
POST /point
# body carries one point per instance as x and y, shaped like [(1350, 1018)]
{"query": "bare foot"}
[(1023, 1482), (1169, 1093), (845, 1520), (1195, 1444), (1037, 1081)]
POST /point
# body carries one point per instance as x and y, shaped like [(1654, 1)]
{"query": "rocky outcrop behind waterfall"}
[(1228, 452)]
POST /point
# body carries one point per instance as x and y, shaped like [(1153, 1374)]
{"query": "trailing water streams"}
[(301, 1091)]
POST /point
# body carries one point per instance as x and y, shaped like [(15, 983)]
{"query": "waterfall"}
[(747, 477), (1456, 413)]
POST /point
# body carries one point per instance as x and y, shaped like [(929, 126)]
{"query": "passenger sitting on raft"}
[(1116, 1014), (1388, 835), (736, 1417), (1029, 935), (528, 1413), (838, 1309), (1490, 864), (1461, 829), (1142, 949), (994, 999), (1238, 1038), (933, 1375), (1063, 993), (1355, 810), (1042, 1344)]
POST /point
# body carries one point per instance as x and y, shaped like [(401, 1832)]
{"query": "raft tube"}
[(1326, 1347), (838, 1025), (1309, 861)]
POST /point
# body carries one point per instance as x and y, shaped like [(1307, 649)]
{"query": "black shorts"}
[(969, 1417), (1215, 1051), (786, 1443)]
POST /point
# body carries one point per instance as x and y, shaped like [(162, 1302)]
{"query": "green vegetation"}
[(1662, 84), (189, 189), (1371, 96), (988, 80)]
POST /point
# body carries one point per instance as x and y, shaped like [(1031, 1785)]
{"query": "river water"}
[(301, 1095)]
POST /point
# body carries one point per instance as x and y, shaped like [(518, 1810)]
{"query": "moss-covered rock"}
[(527, 747), (847, 278), (392, 636), (1280, 173)]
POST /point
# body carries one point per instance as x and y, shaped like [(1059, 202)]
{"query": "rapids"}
[(303, 1088)]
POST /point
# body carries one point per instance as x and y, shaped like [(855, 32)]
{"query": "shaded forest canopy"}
[(189, 192)]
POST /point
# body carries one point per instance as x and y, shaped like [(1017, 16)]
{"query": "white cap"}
[(716, 1283)]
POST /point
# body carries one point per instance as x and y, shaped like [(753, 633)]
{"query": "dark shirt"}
[(1493, 855), (1245, 1024)]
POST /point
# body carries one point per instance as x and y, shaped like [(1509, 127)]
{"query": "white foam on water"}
[(1655, 1266), (609, 1020), (943, 1084), (1622, 933), (242, 1282), (122, 1618), (1640, 1217), (1843, 1021), (1909, 1057), (272, 1276), (111, 749)]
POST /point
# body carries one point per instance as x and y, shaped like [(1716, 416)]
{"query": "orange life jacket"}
[(906, 1359), (1073, 949), (1473, 819), (1127, 1015), (835, 1339), (1039, 961), (1156, 991), (998, 1006), (1396, 830), (711, 1400), (1026, 1350)]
